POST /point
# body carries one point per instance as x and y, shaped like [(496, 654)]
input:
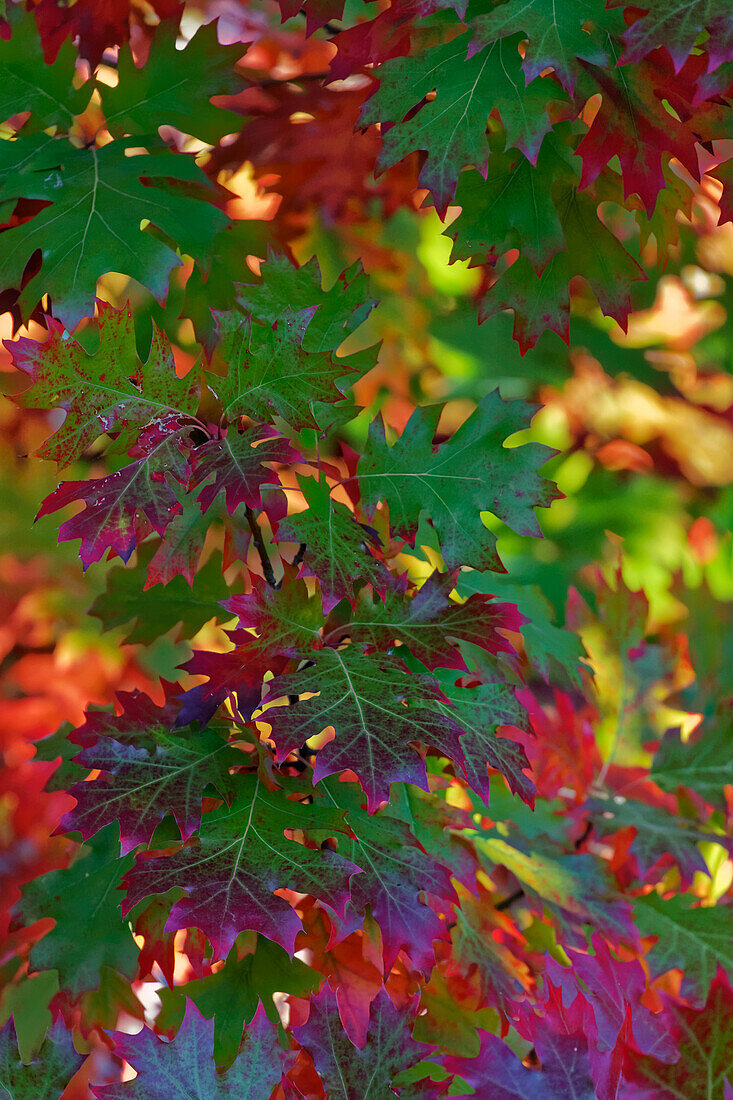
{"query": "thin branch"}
[(267, 570)]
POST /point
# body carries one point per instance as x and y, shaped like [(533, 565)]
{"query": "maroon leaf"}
[(338, 549), (430, 621), (350, 1073), (235, 465), (377, 711), (497, 1073), (140, 783), (126, 504), (229, 876), (395, 871), (633, 124), (184, 1068)]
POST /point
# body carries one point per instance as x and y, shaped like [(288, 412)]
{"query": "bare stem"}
[(267, 570)]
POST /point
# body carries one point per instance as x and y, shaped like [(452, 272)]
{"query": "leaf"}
[(694, 939), (233, 995), (95, 23), (376, 709), (612, 989), (705, 1044), (123, 506), (59, 747), (184, 1069), (454, 482), (159, 608), (395, 870), (287, 622), (241, 858), (270, 372), (353, 967), (704, 766), (451, 127), (27, 84), (92, 225), (438, 829), (28, 1004), (236, 466), (497, 1074), (479, 711), (287, 619), (334, 313), (431, 619), (108, 391), (633, 124), (350, 1073), (560, 35), (677, 27), (547, 646), (511, 208), (147, 778), (543, 302), (180, 549), (482, 948), (46, 1077), (337, 547), (573, 886), (83, 896), (660, 837), (174, 87), (317, 12)]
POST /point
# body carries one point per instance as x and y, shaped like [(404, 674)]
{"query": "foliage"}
[(363, 760)]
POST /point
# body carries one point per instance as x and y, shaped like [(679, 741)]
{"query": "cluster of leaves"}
[(356, 842)]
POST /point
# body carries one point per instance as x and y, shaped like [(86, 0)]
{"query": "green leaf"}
[(592, 251), (28, 1004), (174, 87), (704, 766), (658, 835), (232, 995), (573, 887), (158, 609), (454, 482), (558, 33), (271, 373), (92, 225), (513, 207), (58, 746), (451, 127), (335, 313), (27, 83), (84, 896), (102, 392), (337, 548), (47, 1075), (694, 939)]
